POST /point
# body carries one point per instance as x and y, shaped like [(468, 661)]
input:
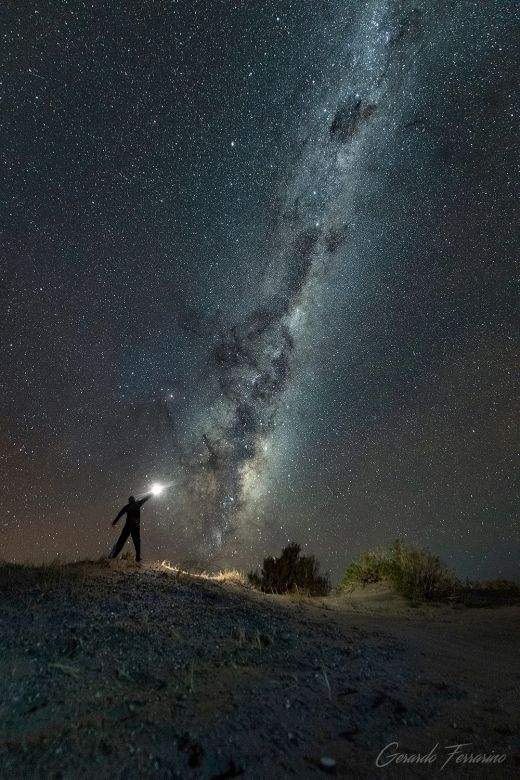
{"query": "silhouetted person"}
[(131, 527)]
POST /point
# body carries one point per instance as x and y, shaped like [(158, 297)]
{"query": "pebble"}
[(328, 764)]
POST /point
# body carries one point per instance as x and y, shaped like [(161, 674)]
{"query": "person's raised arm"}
[(145, 498)]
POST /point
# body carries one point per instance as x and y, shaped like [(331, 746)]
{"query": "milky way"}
[(251, 361), (264, 253)]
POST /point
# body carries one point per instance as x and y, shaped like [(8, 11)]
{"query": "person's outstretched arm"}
[(145, 498), (119, 514)]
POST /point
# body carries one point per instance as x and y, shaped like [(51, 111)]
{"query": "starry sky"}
[(263, 251)]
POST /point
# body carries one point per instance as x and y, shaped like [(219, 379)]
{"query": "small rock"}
[(328, 764)]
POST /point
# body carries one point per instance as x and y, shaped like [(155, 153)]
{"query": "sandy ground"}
[(119, 672), (476, 651)]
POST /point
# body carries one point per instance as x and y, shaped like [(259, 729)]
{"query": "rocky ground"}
[(125, 672)]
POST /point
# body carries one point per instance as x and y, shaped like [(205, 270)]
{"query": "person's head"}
[(131, 499)]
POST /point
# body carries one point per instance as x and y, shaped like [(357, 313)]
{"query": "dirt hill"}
[(123, 672)]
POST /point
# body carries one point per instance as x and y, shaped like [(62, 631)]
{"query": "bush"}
[(290, 572), (373, 566), (418, 574), (503, 586), (413, 571)]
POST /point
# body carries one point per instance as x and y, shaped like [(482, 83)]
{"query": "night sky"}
[(263, 251)]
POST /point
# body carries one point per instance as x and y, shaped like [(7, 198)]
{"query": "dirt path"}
[(473, 651)]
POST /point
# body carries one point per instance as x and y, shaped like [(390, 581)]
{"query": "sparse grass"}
[(76, 576), (257, 639), (191, 572), (43, 576), (327, 683), (413, 571), (191, 676), (230, 575), (193, 566), (300, 595), (239, 634), (73, 671)]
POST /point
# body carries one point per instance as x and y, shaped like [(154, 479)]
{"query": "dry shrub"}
[(372, 566), (46, 577), (413, 571), (503, 586), (291, 572), (418, 574)]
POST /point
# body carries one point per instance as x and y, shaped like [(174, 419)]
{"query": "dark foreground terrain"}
[(120, 672)]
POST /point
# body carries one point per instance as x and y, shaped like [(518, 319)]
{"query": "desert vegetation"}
[(413, 571), (291, 572), (495, 586)]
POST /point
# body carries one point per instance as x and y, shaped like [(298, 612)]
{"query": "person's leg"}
[(136, 538), (125, 533)]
